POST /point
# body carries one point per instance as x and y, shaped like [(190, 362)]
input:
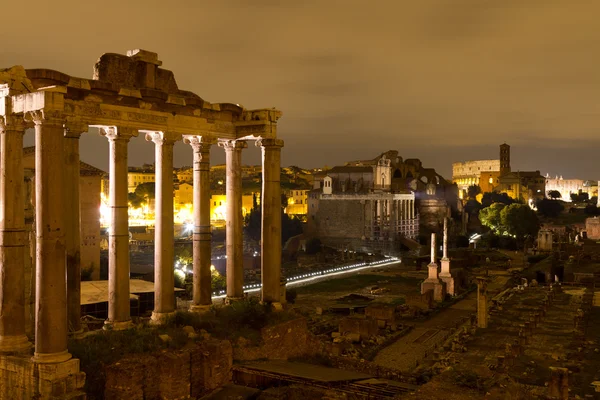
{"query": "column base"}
[(51, 358), (14, 344), (77, 334), (200, 308), (117, 325), (161, 318), (232, 300)]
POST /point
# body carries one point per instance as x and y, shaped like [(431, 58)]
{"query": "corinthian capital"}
[(118, 133), (45, 117), (199, 143), (230, 145), (162, 138), (277, 143)]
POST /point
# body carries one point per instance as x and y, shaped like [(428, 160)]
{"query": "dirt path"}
[(412, 347), (427, 335)]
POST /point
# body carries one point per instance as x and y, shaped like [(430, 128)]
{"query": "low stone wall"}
[(181, 374), (20, 378), (279, 342)]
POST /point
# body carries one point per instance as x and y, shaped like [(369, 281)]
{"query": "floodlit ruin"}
[(128, 95)]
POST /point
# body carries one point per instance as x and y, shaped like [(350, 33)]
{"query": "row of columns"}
[(391, 212), (58, 273)]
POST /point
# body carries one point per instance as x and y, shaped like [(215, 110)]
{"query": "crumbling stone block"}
[(366, 328)]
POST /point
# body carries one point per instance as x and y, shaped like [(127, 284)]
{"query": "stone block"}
[(211, 363), (174, 375), (383, 312), (366, 328)]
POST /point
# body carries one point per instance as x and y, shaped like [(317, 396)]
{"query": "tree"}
[(473, 191), (549, 208), (490, 217), (146, 190), (472, 207), (135, 200), (554, 194), (579, 197), (520, 220), (290, 226), (490, 198)]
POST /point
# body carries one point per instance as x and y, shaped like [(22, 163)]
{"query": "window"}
[(491, 180), (215, 203)]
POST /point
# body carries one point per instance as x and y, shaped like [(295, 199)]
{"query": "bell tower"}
[(504, 159)]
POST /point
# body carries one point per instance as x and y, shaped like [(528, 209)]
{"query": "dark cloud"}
[(442, 80)]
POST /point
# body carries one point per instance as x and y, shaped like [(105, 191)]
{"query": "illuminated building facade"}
[(297, 202)]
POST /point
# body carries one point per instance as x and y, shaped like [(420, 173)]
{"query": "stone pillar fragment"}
[(445, 274), (202, 230), (164, 236), (233, 235), (12, 234), (558, 387), (51, 284), (119, 315), (271, 220), (73, 132), (433, 282)]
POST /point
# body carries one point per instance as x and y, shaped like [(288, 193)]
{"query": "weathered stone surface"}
[(383, 312), (210, 366), (20, 378), (280, 342), (364, 327)]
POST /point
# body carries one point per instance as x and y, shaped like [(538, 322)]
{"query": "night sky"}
[(439, 80)]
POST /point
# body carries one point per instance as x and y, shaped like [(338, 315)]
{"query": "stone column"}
[(373, 216), (12, 235), (270, 247), (164, 236), (73, 132), (202, 231), (51, 284), (392, 220), (233, 234), (433, 249), (119, 315), (445, 274), (482, 305)]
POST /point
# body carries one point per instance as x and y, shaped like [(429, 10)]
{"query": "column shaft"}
[(12, 237), (164, 241), (233, 234), (119, 316), (373, 216), (271, 220), (202, 230), (51, 285), (72, 226)]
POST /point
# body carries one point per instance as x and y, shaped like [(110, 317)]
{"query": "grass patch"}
[(354, 282), (241, 319)]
